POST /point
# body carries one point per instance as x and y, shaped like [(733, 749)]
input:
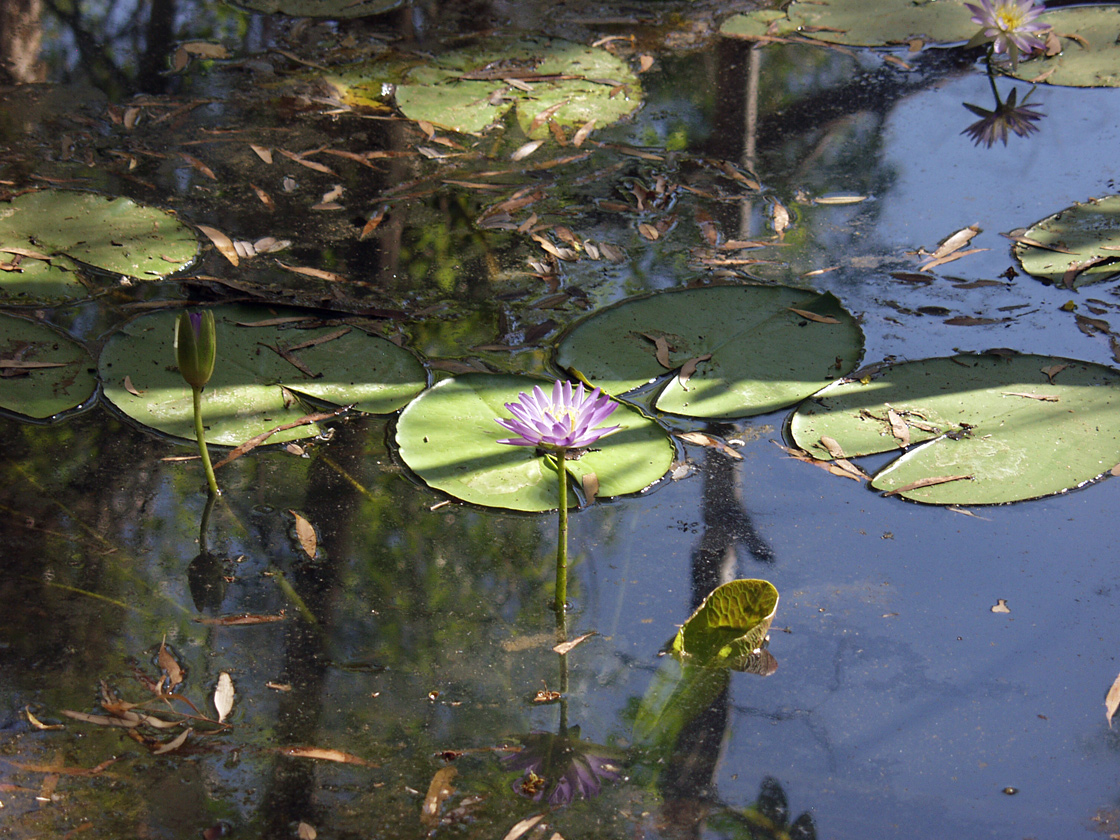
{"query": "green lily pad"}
[(1090, 56), (448, 437), (335, 9), (764, 355), (729, 626), (1003, 428), (852, 22), (587, 83), (1089, 232), (52, 230), (43, 373), (246, 395), (759, 24)]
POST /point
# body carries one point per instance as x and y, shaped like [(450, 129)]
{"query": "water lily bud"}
[(196, 347)]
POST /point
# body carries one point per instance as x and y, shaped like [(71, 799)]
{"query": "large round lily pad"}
[(448, 437), (1080, 245), (855, 23), (471, 88), (252, 387), (770, 347), (335, 9), (1002, 428), (43, 373), (1090, 56), (46, 233)]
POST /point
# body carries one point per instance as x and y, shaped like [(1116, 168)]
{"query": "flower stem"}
[(200, 434), (562, 536)]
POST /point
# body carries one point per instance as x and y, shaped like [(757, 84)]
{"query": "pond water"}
[(419, 635)]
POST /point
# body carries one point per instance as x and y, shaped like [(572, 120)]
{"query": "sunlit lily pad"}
[(46, 232), (448, 437), (858, 23), (321, 8), (1002, 428), (468, 89), (43, 373), (770, 347), (1083, 244), (1090, 56), (246, 396)]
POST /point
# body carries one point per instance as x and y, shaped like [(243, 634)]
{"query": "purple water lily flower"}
[(995, 125), (566, 420), (1010, 26)]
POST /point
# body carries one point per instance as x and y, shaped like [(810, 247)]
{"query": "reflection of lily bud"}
[(205, 577), (196, 347), (560, 768)]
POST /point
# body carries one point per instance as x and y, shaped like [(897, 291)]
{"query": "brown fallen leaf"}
[(522, 828), (525, 150), (689, 368), (199, 165), (173, 744), (104, 720), (566, 647), (323, 754), (263, 153), (222, 242), (780, 219), (1112, 701), (832, 446), (970, 321), (305, 533), (899, 429), (590, 483), (1043, 397), (662, 350), (38, 724), (702, 439), (1001, 606), (264, 197), (955, 241), (241, 620), (813, 316), (583, 133), (317, 273), (545, 115), (927, 482)]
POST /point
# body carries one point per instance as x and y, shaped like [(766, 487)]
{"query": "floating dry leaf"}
[(242, 620), (813, 316), (590, 483), (305, 831), (582, 134), (955, 241), (526, 150), (104, 720), (438, 790), (323, 754), (261, 152), (927, 482), (780, 218), (222, 242), (223, 696), (899, 428), (1112, 701), (38, 724), (1001, 606), (689, 368), (702, 439), (566, 647), (305, 533), (173, 744), (199, 165), (832, 446), (521, 828)]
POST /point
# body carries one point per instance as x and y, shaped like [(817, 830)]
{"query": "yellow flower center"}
[(1009, 18)]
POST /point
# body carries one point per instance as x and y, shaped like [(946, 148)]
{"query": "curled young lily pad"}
[(264, 364), (1074, 247), (45, 235), (43, 373), (448, 437), (733, 351), (729, 626), (471, 88), (983, 429)]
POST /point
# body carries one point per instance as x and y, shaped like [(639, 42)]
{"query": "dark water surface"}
[(902, 707)]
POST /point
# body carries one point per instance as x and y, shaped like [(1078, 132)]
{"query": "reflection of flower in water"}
[(566, 420), (560, 768), (1010, 26), (1007, 116)]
